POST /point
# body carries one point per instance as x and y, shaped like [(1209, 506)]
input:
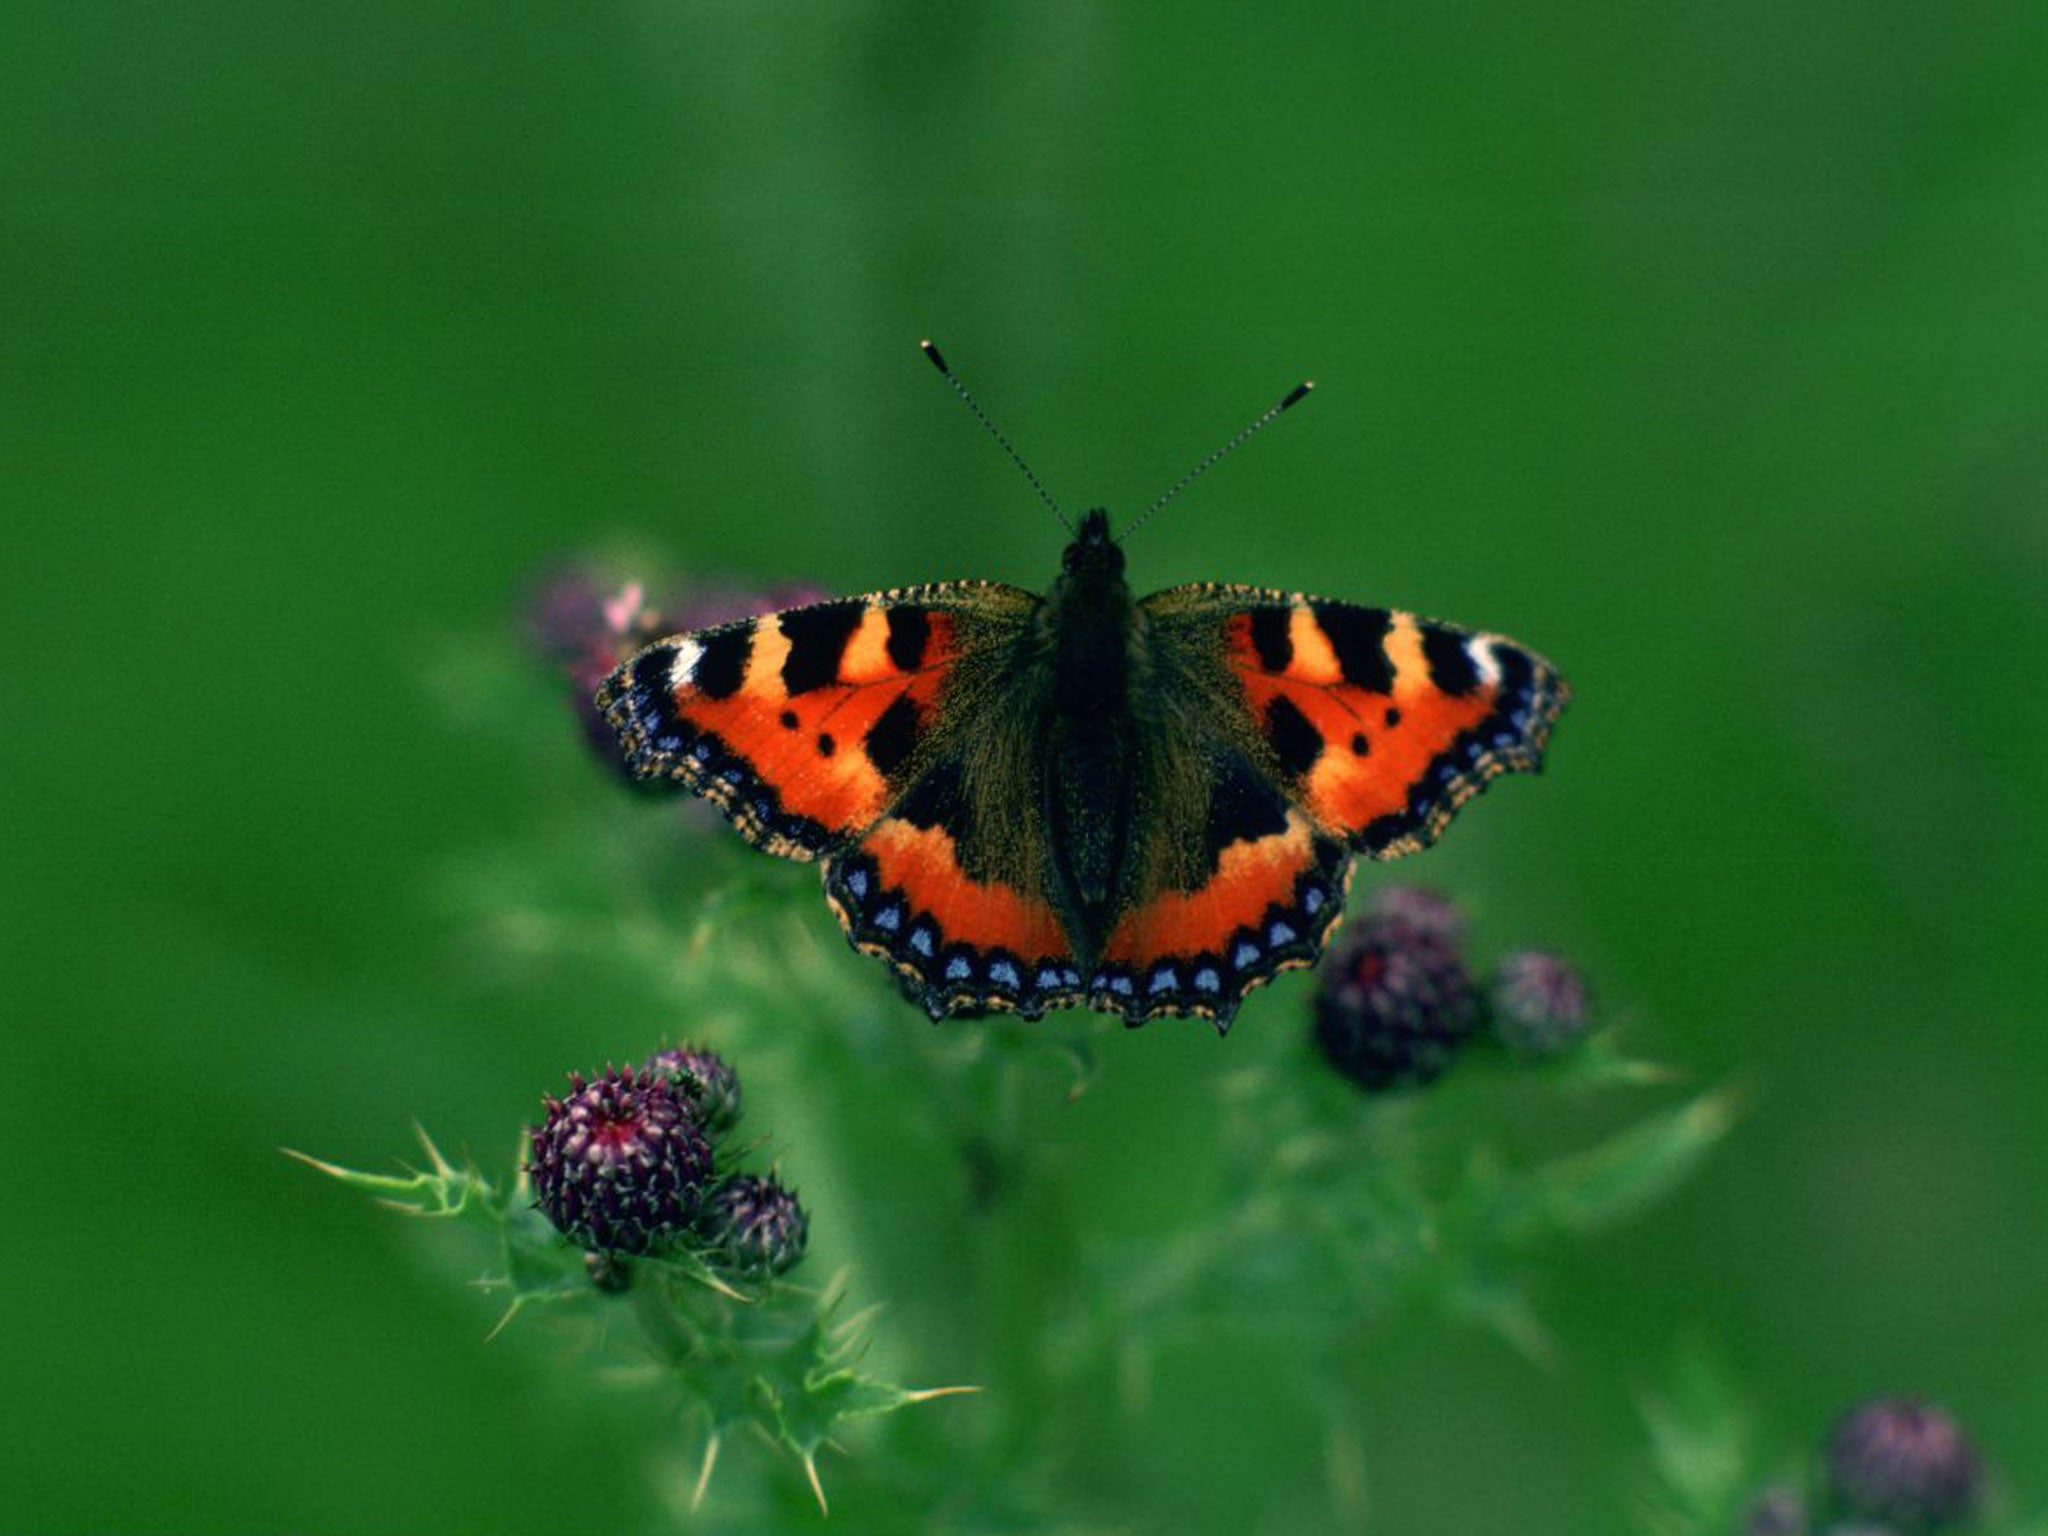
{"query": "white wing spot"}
[(682, 670)]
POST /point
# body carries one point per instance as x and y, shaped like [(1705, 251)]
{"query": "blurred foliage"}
[(1700, 349), (1337, 1214)]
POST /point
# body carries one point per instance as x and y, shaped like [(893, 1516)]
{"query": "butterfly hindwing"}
[(1378, 723), (803, 726), (1227, 905), (918, 891)]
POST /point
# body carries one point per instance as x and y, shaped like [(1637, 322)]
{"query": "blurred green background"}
[(1701, 348)]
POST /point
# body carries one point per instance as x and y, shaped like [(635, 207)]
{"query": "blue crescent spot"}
[(1312, 900), (889, 918), (1047, 977), (921, 941), (1206, 980), (1162, 981), (857, 883), (1280, 933), (1245, 953), (957, 968), (701, 752), (1122, 986), (1006, 973)]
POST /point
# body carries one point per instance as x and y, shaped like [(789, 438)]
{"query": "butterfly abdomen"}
[(1090, 746)]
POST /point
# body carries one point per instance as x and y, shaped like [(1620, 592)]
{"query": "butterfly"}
[(1147, 806)]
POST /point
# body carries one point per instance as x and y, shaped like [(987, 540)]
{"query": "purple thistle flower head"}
[(754, 1226), (620, 1165), (705, 1079), (1539, 1003), (1395, 1004), (1904, 1462)]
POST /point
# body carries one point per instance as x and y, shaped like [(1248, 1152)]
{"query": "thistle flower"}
[(755, 1226), (1904, 1462), (619, 1166), (1395, 1003), (705, 1080), (1538, 1003)]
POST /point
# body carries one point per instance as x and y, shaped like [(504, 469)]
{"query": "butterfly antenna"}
[(939, 362), (1293, 396)]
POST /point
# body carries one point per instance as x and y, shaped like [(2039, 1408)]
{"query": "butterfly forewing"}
[(804, 726), (1379, 724)]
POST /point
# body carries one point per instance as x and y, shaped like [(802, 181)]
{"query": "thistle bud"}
[(754, 1226), (705, 1080), (1906, 1463), (1538, 1003)]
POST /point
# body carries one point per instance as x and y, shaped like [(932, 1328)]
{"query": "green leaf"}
[(1700, 1437), (1587, 1191), (440, 1189)]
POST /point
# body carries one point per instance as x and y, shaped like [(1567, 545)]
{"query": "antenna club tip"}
[(931, 350), (1295, 394)]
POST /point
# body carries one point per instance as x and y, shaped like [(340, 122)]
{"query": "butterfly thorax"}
[(1090, 763), (1089, 616)]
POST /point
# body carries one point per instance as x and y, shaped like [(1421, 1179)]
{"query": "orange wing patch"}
[(813, 745), (1268, 907), (1384, 723), (797, 724), (957, 943)]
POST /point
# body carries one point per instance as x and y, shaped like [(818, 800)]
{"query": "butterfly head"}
[(1094, 553)]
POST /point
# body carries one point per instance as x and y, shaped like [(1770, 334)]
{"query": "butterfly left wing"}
[(880, 735), (804, 726), (1297, 733)]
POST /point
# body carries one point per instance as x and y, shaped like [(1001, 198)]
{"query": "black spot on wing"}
[(723, 667), (817, 639), (893, 737), (1270, 637), (1296, 743), (1242, 808), (1450, 664), (909, 629), (1517, 679), (936, 800), (651, 670), (1358, 636)]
